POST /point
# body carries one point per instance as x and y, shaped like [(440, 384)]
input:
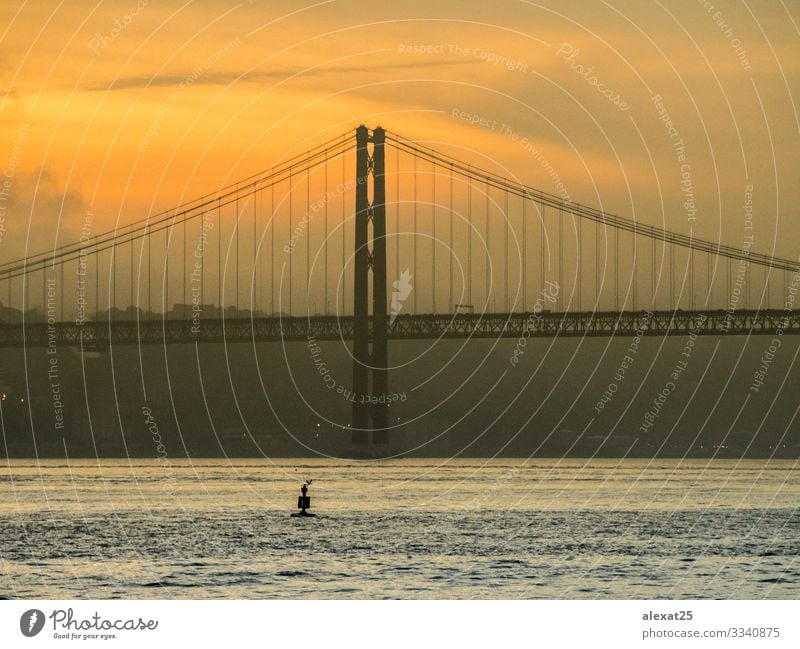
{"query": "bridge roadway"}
[(158, 331)]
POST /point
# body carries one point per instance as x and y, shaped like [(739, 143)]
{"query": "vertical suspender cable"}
[(451, 304), (653, 272), (308, 236), (397, 213), (219, 259), (149, 272), (414, 233), (747, 280), (635, 268), (597, 262), (541, 251), (291, 188), (580, 261), (114, 275), (165, 275), (136, 303), (469, 240), (728, 279), (487, 263), (433, 235), (185, 271), (344, 275), (784, 273), (505, 250), (672, 304), (96, 286), (201, 250), (524, 254), (560, 258), (616, 269), (272, 225), (325, 280), (254, 299), (236, 225)]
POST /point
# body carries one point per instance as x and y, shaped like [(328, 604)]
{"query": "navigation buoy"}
[(303, 502)]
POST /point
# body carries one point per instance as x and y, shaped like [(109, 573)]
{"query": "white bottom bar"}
[(401, 624)]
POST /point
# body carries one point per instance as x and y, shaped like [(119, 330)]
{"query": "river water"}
[(556, 529)]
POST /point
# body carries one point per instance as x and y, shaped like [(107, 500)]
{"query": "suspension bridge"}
[(375, 238)]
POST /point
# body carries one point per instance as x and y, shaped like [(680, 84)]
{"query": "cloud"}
[(258, 76), (38, 200)]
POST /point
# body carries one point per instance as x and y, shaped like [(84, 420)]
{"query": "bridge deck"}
[(405, 327)]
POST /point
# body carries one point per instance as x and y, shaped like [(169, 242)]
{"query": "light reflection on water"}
[(405, 528)]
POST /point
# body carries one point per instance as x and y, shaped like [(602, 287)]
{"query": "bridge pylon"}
[(370, 349)]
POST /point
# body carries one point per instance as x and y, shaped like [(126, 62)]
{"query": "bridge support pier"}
[(370, 349)]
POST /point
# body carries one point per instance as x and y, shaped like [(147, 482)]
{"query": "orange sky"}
[(189, 96)]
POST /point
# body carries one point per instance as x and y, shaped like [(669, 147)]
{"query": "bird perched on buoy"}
[(303, 502)]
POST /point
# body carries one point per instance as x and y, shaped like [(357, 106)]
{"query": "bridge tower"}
[(370, 348)]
